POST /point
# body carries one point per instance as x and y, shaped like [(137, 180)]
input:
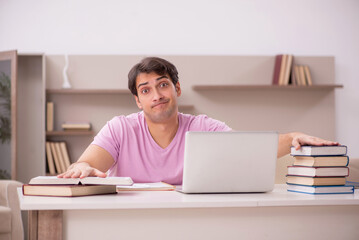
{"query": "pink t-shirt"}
[(138, 156)]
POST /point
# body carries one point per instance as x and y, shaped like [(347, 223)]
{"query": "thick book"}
[(67, 190), (321, 189), (48, 180), (157, 186), (330, 161), (315, 181), (340, 150), (318, 171), (278, 61)]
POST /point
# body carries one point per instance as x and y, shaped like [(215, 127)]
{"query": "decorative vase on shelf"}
[(66, 83)]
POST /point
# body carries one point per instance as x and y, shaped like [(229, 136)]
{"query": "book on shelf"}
[(50, 160), (297, 75), (308, 76), (54, 180), (287, 71), (345, 189), (282, 69), (60, 157), (302, 75), (336, 150), (318, 171), (157, 186), (329, 161), (315, 181), (55, 157), (292, 78), (85, 126), (277, 66), (50, 116), (67, 190)]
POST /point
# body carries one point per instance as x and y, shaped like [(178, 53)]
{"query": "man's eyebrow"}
[(164, 76), (157, 79), (141, 84)]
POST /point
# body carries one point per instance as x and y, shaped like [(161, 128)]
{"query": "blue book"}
[(345, 189)]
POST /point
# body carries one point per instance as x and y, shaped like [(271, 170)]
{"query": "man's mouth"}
[(160, 103)]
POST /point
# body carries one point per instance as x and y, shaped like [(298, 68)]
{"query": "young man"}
[(149, 145)]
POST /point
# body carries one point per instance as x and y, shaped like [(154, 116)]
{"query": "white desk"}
[(173, 215)]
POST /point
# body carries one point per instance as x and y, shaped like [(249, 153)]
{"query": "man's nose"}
[(157, 95)]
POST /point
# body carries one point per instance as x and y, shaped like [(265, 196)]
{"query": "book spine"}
[(50, 160), (278, 61), (50, 116)]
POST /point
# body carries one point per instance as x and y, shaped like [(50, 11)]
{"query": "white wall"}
[(223, 27)]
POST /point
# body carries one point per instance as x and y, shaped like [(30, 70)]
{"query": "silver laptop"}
[(229, 162)]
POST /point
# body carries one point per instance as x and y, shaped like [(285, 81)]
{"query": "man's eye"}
[(164, 85), (144, 91)]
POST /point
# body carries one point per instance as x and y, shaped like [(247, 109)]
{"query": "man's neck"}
[(164, 132)]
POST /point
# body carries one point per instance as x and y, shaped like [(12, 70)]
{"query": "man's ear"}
[(139, 105), (178, 89)]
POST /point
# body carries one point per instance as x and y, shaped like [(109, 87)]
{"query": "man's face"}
[(157, 96)]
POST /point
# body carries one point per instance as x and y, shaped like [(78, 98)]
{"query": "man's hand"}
[(297, 139), (81, 170), (300, 139)]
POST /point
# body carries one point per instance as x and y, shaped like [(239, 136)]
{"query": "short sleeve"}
[(108, 138)]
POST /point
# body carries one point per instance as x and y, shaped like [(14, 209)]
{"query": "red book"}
[(278, 61)]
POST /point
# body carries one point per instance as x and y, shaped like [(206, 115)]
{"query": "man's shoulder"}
[(200, 117), (203, 123), (132, 119)]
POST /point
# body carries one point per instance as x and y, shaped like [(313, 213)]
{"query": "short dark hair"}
[(148, 65)]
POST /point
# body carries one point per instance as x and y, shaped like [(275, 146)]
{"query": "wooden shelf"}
[(260, 87), (88, 91), (69, 133)]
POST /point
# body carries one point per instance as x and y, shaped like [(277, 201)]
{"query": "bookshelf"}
[(69, 133), (233, 89), (266, 87), (88, 91)]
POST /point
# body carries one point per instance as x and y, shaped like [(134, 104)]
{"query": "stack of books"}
[(287, 73), (319, 170)]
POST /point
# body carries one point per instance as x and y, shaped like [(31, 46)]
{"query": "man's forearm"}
[(284, 144)]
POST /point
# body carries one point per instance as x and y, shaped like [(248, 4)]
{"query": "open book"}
[(53, 180), (70, 187)]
